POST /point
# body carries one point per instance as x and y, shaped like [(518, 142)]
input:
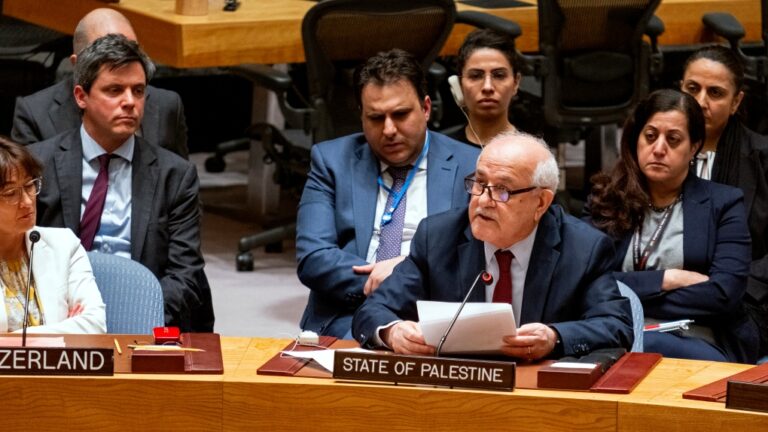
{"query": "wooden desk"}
[(242, 400), (253, 402), (269, 31)]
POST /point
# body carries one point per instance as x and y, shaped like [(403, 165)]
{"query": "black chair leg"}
[(216, 163), (269, 239)]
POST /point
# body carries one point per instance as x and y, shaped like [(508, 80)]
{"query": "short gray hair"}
[(546, 174), (113, 50)]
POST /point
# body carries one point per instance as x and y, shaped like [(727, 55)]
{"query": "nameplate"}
[(56, 361), (747, 396), (449, 372)]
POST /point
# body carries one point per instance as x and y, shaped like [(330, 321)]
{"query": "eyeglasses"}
[(497, 193), (12, 196)]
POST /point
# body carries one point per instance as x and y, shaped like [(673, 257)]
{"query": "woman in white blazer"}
[(63, 297)]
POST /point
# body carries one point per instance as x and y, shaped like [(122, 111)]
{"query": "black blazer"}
[(753, 181), (165, 219), (53, 110)]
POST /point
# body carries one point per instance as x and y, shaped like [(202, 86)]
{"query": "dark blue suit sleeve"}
[(322, 264), (728, 270), (396, 297), (605, 319)]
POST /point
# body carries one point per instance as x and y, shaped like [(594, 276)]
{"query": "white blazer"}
[(63, 278)]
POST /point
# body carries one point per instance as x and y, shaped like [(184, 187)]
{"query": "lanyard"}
[(387, 216), (640, 260)]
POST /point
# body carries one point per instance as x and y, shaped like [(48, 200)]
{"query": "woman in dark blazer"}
[(682, 243), (714, 76)]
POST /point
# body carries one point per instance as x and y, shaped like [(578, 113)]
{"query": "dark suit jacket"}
[(753, 181), (165, 219), (715, 243), (337, 212), (53, 110), (569, 284)]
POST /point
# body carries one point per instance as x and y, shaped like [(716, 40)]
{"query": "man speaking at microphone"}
[(553, 268)]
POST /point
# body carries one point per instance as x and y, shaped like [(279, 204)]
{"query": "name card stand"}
[(157, 361), (717, 391), (747, 396), (565, 377), (56, 361), (436, 371)]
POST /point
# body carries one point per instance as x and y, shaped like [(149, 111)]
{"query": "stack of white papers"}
[(478, 330), (323, 357)]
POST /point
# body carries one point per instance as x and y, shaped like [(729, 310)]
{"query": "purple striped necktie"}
[(89, 224)]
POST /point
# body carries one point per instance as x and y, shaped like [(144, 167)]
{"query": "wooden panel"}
[(319, 406), (662, 417), (269, 31), (110, 404)]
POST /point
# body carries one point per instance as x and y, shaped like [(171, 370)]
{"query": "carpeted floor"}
[(266, 302)]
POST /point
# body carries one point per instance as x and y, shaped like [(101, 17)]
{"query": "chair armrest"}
[(484, 20), (437, 73), (725, 25), (655, 27), (264, 76)]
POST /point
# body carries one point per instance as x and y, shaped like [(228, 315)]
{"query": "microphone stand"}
[(487, 279), (34, 236)]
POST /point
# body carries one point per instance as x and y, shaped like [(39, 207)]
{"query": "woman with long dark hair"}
[(682, 242)]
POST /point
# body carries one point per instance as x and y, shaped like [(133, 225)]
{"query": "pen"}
[(117, 347), (164, 348), (668, 326)]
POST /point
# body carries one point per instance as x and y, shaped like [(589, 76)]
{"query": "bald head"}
[(98, 23), (526, 154)]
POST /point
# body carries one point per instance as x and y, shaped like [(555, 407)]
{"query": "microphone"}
[(34, 237), (487, 280)]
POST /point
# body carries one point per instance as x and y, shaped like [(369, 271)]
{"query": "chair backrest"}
[(638, 316), (29, 57), (597, 65), (339, 35), (131, 292)]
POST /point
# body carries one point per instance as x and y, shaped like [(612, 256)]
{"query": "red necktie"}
[(89, 224), (502, 292)]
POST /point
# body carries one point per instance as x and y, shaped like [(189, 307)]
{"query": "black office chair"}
[(594, 66), (29, 57), (339, 35), (728, 27)]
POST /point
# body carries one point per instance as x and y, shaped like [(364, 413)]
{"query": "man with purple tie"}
[(366, 193), (120, 194)]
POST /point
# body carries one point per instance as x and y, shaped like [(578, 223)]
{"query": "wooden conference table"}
[(269, 31), (242, 400)]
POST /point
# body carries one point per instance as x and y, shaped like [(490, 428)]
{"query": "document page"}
[(478, 330), (323, 357)]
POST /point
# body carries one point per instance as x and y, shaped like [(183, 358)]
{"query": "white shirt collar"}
[(92, 149), (522, 249)]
